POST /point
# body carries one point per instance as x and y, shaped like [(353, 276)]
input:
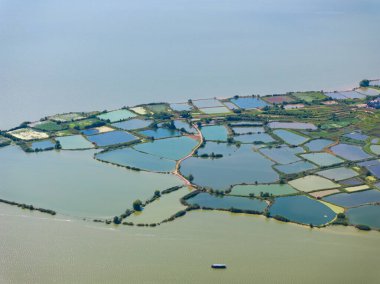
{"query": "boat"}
[(219, 266)]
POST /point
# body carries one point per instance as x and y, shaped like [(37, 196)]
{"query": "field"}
[(309, 96)]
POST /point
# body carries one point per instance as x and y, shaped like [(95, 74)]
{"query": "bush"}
[(281, 218), (137, 205), (363, 227)]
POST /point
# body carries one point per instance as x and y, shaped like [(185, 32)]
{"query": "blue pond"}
[(249, 103), (227, 202), (355, 198), (350, 152), (252, 138), (356, 136), (180, 107), (283, 155), (373, 166), (296, 167), (302, 209), (134, 123), (160, 133), (365, 215), (318, 144), (111, 138), (179, 124), (91, 131), (43, 145)]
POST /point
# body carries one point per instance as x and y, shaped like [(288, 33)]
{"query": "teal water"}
[(43, 145), (73, 183), (227, 202), (160, 133), (74, 142), (365, 215), (302, 209), (112, 138), (217, 148), (134, 123), (117, 115), (257, 137), (171, 148), (241, 166), (355, 198), (215, 132), (322, 159), (296, 167), (275, 189)]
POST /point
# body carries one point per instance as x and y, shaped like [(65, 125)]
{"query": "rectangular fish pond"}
[(135, 123), (292, 125), (365, 215), (204, 199), (312, 183), (290, 137), (318, 145), (214, 132), (117, 115), (322, 159), (205, 103), (252, 138), (247, 130), (74, 142), (350, 152), (340, 173), (283, 154), (249, 103), (354, 199), (215, 110), (296, 167), (112, 138), (43, 145), (180, 107)]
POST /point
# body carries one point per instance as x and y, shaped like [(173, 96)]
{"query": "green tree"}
[(137, 205), (364, 83)]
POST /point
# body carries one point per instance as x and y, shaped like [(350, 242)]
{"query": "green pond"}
[(134, 123), (322, 159), (75, 142), (290, 137), (132, 158), (74, 183), (204, 199), (215, 132), (302, 209), (164, 207), (117, 115), (275, 189), (171, 148), (365, 215), (241, 166)]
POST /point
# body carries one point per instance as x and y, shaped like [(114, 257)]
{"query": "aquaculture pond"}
[(215, 132), (365, 215), (257, 190), (375, 149), (290, 137), (160, 209), (157, 108), (283, 154), (171, 148), (215, 110), (351, 181), (373, 166), (249, 103), (75, 184), (117, 115), (312, 183), (159, 133), (132, 124), (111, 138), (217, 148), (368, 91), (230, 105), (318, 145), (207, 103), (247, 130), (356, 136), (354, 199), (75, 142), (350, 152), (296, 167), (132, 158), (252, 138), (179, 124), (43, 145), (204, 199), (180, 107), (322, 159), (241, 166), (338, 173), (292, 125), (302, 209)]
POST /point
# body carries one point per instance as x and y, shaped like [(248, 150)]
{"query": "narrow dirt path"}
[(200, 141)]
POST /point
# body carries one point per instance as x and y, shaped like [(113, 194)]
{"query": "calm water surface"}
[(92, 54)]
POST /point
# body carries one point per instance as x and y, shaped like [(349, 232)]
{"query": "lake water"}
[(101, 60), (366, 215), (72, 251)]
